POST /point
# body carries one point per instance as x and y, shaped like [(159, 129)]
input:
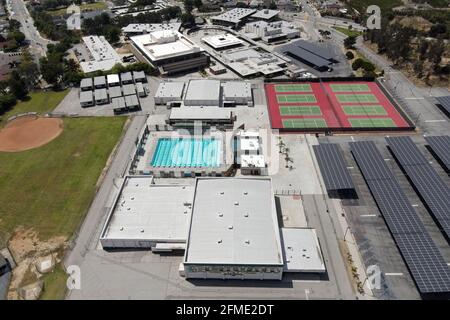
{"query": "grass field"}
[(304, 123), (39, 102), (300, 98), (300, 110), (84, 7), (369, 110), (348, 32), (356, 98), (349, 87), (49, 189), (293, 87), (371, 123)]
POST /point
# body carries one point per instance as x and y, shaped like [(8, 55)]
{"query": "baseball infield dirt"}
[(29, 132)]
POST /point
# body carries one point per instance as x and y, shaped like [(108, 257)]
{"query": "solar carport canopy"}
[(315, 49), (304, 55), (445, 103), (421, 255), (333, 167), (432, 189), (441, 148)]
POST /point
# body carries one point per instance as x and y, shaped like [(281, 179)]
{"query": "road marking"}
[(448, 264), (415, 205), (393, 274), (350, 167), (414, 98), (440, 120), (368, 215), (306, 294)]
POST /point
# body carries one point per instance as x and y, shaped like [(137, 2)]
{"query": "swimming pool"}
[(187, 152)]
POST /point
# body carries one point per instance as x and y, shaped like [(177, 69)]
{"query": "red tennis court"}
[(336, 105)]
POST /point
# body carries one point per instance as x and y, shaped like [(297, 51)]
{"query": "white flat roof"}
[(113, 78), (236, 89), (170, 90), (265, 14), (253, 161), (146, 211), (222, 40), (104, 57), (251, 144), (235, 15), (200, 113), (234, 221), (248, 61), (150, 27), (203, 90), (165, 44), (86, 96), (302, 250)]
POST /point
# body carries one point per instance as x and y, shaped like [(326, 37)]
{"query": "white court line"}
[(368, 215), (393, 274), (440, 120)]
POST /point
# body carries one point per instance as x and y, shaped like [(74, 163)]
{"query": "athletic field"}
[(332, 105)]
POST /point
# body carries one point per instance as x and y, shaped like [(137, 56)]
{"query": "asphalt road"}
[(19, 12)]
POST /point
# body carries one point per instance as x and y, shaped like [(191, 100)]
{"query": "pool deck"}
[(144, 165)]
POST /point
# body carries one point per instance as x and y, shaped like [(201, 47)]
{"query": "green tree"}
[(349, 55), (188, 5), (29, 70), (358, 63), (349, 42), (368, 66), (198, 4), (6, 102), (52, 70), (17, 85)]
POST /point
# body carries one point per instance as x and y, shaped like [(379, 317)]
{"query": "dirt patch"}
[(27, 248), (29, 132)]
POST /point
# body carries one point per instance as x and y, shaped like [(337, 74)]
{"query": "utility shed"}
[(169, 92), (233, 232), (115, 92), (237, 92), (202, 93), (128, 89), (113, 80), (302, 251), (146, 214), (132, 102), (139, 76), (126, 78), (100, 82), (119, 103), (86, 98), (86, 84), (140, 90), (101, 96)]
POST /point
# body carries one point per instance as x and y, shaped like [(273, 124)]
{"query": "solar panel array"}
[(432, 189), (333, 167), (305, 55), (425, 263), (441, 148), (445, 103)]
